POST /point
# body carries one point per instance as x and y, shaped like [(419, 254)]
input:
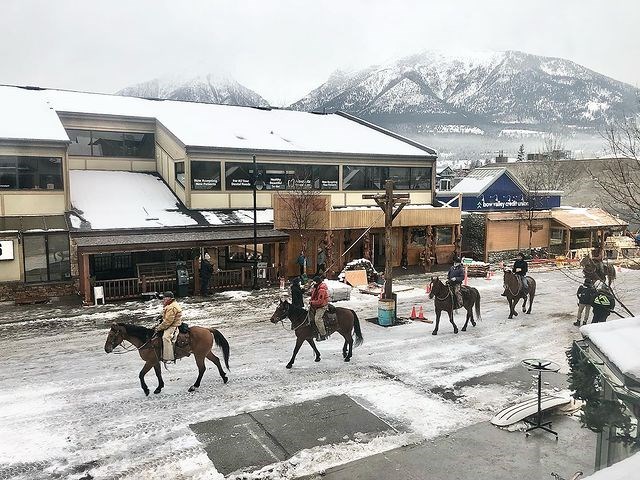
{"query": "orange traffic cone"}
[(421, 314), (413, 313)]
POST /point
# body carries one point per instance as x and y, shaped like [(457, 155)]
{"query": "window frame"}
[(280, 176), (36, 175), (124, 148), (45, 236), (376, 175), (183, 172)]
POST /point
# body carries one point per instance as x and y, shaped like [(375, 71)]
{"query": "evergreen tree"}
[(521, 155)]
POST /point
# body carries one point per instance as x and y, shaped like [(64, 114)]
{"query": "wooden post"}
[(85, 284)]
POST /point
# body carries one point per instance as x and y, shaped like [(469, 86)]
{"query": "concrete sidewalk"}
[(480, 452)]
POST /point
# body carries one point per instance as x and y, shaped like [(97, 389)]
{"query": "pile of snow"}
[(624, 470), (618, 340), (360, 264)]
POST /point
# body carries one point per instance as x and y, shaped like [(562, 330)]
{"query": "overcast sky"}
[(283, 49)]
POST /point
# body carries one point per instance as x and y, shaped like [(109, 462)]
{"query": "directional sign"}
[(6, 249)]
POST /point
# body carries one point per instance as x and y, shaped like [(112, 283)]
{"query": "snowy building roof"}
[(143, 200), (618, 341), (207, 125), (623, 470), (479, 179), (576, 218), (25, 116)]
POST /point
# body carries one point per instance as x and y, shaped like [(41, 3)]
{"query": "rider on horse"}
[(320, 302), (520, 268), (171, 320), (597, 257), (297, 293), (455, 277)]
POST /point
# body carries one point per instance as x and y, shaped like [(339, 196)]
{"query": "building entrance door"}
[(377, 249)]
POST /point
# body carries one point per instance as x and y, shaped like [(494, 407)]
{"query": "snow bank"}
[(618, 340), (624, 470)]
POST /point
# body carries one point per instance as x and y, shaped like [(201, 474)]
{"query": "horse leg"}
[(315, 349), (524, 304), (201, 369), (216, 361), (147, 366), (435, 330), (345, 348), (348, 338), (455, 327), (464, 327), (299, 342), (530, 301), (511, 311), (159, 375)]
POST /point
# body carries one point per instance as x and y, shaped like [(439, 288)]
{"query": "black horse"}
[(444, 301)]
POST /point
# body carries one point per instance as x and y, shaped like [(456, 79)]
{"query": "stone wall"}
[(24, 292)]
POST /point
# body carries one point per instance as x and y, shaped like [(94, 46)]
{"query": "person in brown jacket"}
[(171, 320)]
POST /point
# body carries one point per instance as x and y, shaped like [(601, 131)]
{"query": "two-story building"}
[(108, 190)]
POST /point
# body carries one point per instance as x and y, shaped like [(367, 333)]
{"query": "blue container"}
[(386, 312)]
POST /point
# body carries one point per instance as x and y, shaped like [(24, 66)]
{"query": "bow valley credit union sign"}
[(500, 202)]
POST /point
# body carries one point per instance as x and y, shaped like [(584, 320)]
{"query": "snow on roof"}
[(574, 217), (477, 181), (623, 470), (107, 200), (25, 116), (222, 126), (618, 340)]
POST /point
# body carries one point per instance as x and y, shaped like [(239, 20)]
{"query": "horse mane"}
[(296, 310), (143, 333)]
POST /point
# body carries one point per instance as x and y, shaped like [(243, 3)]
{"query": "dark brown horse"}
[(148, 346), (514, 292), (591, 272), (300, 323), (443, 301)]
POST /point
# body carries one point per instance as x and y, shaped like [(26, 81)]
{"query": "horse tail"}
[(222, 343), (478, 315), (356, 329)]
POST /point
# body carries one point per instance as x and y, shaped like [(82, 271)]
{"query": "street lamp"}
[(256, 184)]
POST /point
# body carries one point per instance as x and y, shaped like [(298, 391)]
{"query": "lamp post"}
[(256, 184)]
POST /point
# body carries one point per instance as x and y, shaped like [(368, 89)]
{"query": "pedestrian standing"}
[(586, 294), (302, 262), (206, 270), (321, 261)]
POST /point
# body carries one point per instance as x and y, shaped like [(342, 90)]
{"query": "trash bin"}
[(182, 279), (388, 311)]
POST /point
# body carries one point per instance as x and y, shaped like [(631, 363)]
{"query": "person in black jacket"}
[(206, 270), (296, 293), (455, 277), (520, 268), (603, 304), (586, 293)]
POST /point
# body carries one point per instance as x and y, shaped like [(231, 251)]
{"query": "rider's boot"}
[(504, 294)]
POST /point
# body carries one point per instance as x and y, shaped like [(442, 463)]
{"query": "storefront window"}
[(419, 236), (244, 253), (280, 176), (356, 177), (557, 236), (444, 236), (205, 175), (99, 143), (30, 173), (179, 172), (46, 257)]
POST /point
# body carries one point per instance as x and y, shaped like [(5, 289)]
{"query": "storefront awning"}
[(586, 218), (131, 242), (28, 224)]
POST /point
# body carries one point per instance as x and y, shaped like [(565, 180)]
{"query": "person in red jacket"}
[(319, 302)]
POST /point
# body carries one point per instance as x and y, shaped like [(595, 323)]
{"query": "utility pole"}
[(391, 204), (254, 185)]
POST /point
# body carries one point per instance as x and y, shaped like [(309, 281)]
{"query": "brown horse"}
[(443, 301), (514, 292), (148, 346), (347, 322), (591, 272)]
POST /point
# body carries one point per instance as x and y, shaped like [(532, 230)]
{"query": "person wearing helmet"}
[(320, 302), (520, 268), (171, 320), (456, 277)]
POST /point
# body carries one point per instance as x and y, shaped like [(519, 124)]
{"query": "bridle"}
[(286, 315), (437, 297), (126, 349)]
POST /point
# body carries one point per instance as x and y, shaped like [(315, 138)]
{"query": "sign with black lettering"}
[(6, 249)]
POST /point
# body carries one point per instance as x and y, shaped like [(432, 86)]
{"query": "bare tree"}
[(619, 176)]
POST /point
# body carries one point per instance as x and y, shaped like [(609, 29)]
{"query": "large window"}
[(280, 176), (97, 143), (356, 177), (205, 175), (46, 257), (179, 172), (444, 235), (30, 173)]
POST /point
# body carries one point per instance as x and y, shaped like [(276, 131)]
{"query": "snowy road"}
[(72, 411)]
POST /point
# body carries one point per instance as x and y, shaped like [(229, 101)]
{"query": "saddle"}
[(181, 341), (330, 319)]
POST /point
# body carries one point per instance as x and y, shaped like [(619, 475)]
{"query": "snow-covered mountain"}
[(477, 88), (208, 88)]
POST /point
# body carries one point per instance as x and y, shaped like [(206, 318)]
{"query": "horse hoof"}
[(435, 332), (317, 359), (473, 323), (225, 379), (528, 313), (157, 390), (515, 314), (192, 388), (455, 331), (289, 365), (464, 329), (146, 392), (348, 359)]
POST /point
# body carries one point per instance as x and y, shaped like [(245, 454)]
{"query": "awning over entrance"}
[(586, 218), (131, 242), (34, 224)]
